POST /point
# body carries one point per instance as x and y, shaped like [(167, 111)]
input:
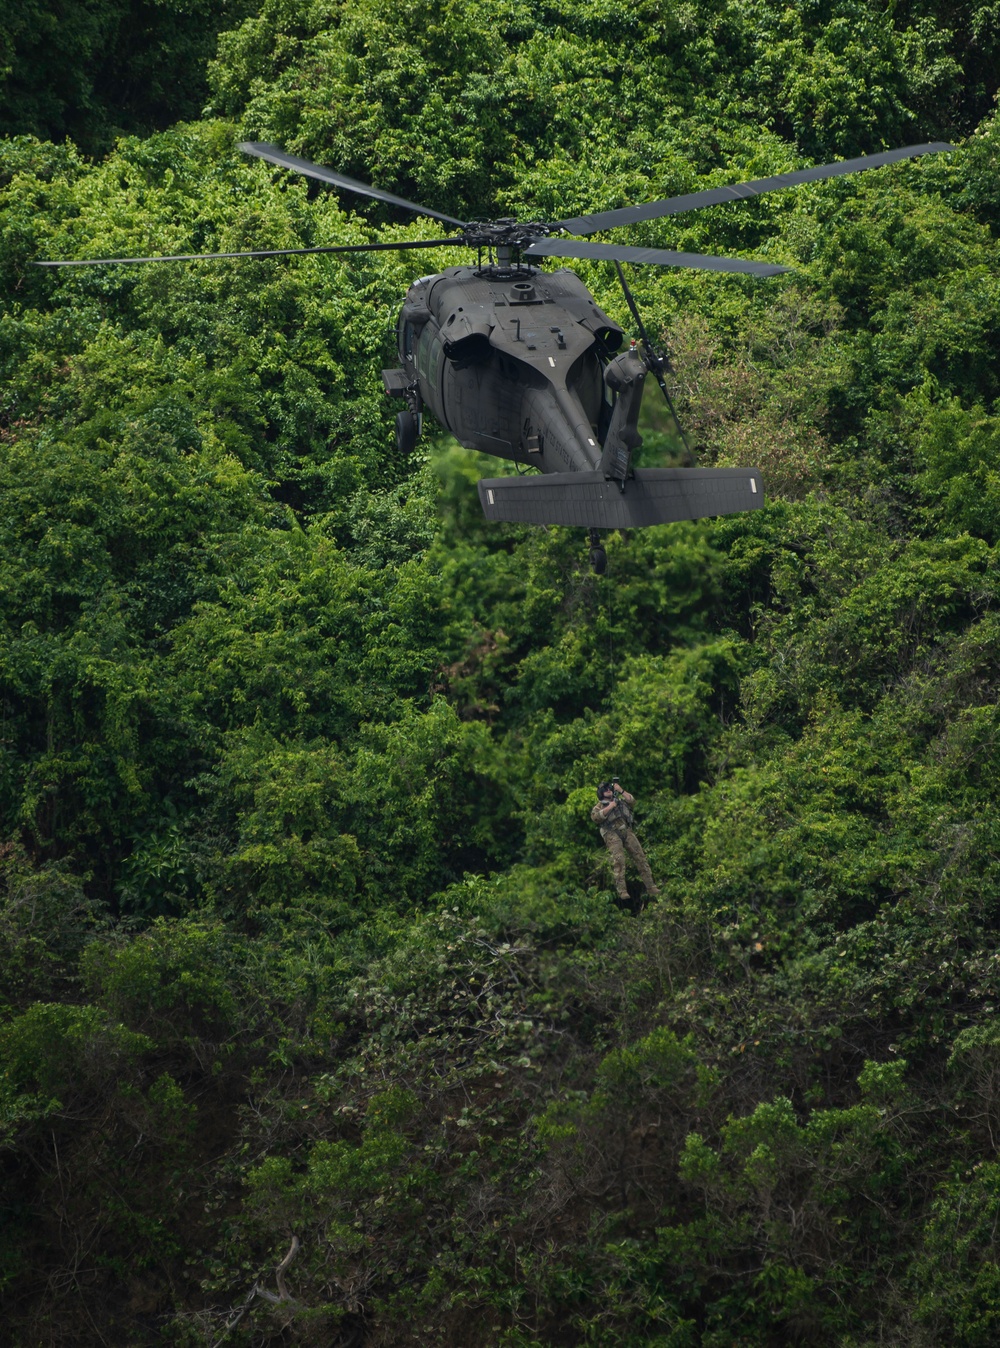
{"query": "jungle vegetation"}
[(304, 929)]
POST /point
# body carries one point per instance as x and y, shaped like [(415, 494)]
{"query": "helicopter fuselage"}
[(512, 361), (525, 365)]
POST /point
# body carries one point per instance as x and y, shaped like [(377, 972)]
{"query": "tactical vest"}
[(620, 818)]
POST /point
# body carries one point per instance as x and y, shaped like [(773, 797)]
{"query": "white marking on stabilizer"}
[(489, 493), (589, 441), (552, 361), (753, 486)]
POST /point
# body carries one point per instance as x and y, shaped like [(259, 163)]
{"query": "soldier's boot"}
[(642, 865), (614, 845)]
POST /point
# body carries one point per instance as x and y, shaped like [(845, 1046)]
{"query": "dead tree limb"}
[(284, 1297)]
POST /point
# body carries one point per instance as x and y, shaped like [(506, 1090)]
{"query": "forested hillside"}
[(305, 931)]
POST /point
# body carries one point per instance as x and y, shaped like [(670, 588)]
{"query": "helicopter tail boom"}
[(652, 496)]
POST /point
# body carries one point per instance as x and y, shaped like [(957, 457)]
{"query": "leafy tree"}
[(93, 69), (304, 928)]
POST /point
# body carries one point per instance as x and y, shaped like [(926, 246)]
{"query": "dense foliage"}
[(304, 929), (96, 69)]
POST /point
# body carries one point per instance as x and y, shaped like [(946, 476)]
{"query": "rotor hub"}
[(516, 235)]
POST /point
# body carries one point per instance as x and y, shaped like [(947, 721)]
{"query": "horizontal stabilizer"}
[(653, 496)]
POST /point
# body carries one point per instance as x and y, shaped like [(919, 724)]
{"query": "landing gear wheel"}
[(406, 432)]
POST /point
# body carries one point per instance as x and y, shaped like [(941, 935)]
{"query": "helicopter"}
[(523, 364)]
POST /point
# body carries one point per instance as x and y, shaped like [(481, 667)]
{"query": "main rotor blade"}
[(613, 252), (258, 252), (274, 154), (693, 201)]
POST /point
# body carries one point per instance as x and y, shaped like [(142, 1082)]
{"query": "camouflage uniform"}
[(616, 830)]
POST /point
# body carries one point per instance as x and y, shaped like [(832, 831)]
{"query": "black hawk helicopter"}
[(523, 364)]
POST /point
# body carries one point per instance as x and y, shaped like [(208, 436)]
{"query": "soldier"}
[(613, 812)]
